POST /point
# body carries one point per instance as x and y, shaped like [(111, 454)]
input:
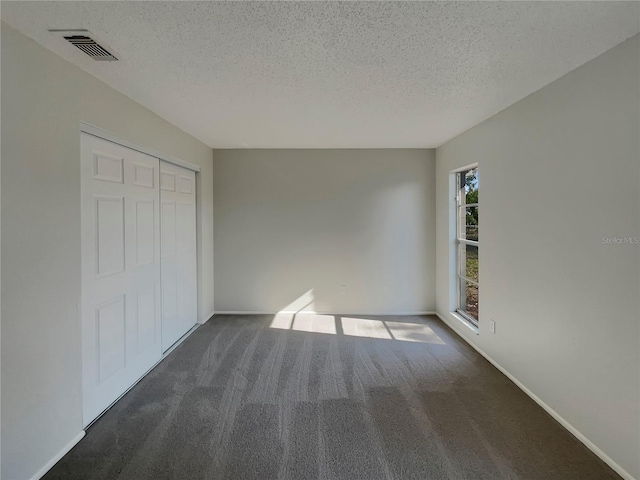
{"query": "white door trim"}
[(106, 135)]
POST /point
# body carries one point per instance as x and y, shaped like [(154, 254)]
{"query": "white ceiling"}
[(330, 74)]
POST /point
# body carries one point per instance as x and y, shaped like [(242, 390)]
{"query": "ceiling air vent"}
[(82, 40)]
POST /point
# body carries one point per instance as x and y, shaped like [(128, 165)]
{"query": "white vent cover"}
[(85, 41)]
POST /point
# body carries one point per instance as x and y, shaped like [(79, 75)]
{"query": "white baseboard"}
[(241, 312), (49, 465), (574, 431), (206, 319), (244, 312)]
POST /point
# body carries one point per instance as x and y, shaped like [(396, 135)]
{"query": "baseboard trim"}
[(241, 312), (250, 312), (206, 319), (56, 458), (573, 430)]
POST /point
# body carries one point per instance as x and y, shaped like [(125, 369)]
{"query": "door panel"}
[(121, 311), (168, 179), (168, 228), (110, 333), (145, 232), (143, 176), (109, 220), (109, 168), (146, 318), (178, 226)]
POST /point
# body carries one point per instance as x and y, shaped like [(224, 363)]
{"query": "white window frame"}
[(460, 219)]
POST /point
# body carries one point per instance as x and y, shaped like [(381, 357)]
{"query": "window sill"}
[(465, 322)]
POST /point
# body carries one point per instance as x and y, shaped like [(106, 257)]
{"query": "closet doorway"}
[(139, 281)]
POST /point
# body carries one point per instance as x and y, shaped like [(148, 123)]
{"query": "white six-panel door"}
[(178, 252), (121, 306)]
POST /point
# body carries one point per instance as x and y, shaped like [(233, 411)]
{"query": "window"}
[(467, 244)]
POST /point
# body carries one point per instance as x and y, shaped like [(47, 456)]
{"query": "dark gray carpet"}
[(381, 398)]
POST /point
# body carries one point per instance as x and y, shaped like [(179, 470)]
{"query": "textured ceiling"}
[(330, 74)]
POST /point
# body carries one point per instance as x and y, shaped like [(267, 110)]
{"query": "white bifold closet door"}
[(121, 294), (178, 252)]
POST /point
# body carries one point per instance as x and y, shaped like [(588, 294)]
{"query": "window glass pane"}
[(471, 223), (467, 228), (469, 261), (471, 186), (469, 299)]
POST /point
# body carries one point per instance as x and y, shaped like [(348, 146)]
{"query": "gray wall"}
[(559, 171), (288, 222), (44, 99)]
